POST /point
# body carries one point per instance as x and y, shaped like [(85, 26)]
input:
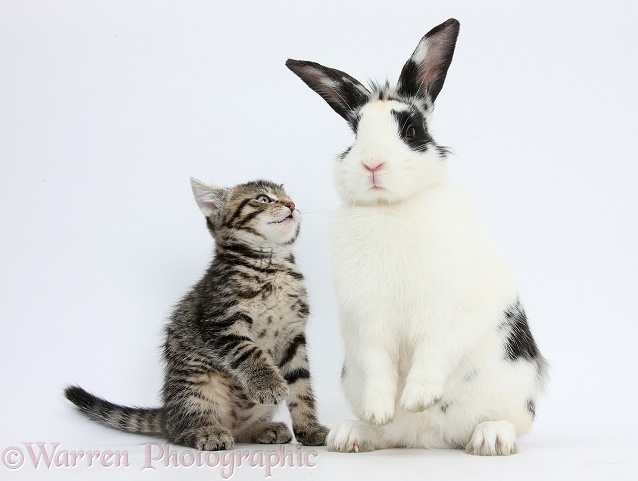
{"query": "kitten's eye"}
[(264, 199), (410, 133)]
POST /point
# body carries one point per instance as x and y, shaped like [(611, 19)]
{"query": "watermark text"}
[(157, 456)]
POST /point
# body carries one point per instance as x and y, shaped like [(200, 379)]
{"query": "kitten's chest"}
[(281, 309)]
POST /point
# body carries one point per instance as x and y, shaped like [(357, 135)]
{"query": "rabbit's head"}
[(393, 156)]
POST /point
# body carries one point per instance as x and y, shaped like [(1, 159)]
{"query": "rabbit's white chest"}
[(414, 254)]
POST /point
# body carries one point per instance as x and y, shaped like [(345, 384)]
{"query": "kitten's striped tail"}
[(130, 419)]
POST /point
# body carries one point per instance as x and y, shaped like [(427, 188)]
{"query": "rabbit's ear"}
[(424, 73), (209, 199), (344, 93)]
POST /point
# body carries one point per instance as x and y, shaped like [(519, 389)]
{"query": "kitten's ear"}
[(424, 73), (209, 199), (344, 93)]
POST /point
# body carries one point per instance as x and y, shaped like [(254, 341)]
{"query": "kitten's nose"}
[(290, 205)]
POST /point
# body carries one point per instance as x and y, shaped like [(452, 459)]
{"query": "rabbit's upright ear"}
[(424, 73), (344, 93)]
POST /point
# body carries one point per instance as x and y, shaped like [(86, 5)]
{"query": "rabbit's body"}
[(438, 349), (420, 276)]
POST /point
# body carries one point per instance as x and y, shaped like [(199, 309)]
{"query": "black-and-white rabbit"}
[(439, 353)]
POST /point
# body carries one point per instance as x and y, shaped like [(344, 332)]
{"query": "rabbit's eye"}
[(410, 133), (264, 199)]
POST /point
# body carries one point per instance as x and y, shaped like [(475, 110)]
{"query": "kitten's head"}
[(258, 213)]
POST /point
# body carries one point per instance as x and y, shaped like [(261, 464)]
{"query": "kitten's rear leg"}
[(197, 429), (194, 406), (205, 438), (355, 437), (266, 433)]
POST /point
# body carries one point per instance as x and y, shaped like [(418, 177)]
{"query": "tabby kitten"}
[(235, 344)]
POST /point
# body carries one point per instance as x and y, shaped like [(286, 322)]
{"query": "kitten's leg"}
[(266, 433), (192, 417), (196, 403), (301, 400), (205, 438), (190, 423), (247, 362)]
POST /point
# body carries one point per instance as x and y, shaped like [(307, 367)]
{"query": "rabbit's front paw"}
[(379, 411), (493, 438), (418, 396), (352, 437)]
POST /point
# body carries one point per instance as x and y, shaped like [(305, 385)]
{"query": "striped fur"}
[(235, 345)]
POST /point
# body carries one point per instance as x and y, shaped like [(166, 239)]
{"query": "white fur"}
[(403, 173), (422, 291), (421, 52)]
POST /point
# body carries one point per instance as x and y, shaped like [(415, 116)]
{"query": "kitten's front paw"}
[(311, 435), (379, 411), (418, 396), (268, 389)]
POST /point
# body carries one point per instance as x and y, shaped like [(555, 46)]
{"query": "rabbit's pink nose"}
[(374, 167)]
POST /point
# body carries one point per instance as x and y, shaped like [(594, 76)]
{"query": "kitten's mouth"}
[(289, 218)]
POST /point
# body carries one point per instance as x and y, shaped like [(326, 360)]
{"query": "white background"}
[(107, 109)]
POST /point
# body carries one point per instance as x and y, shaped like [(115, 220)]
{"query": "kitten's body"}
[(235, 345)]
